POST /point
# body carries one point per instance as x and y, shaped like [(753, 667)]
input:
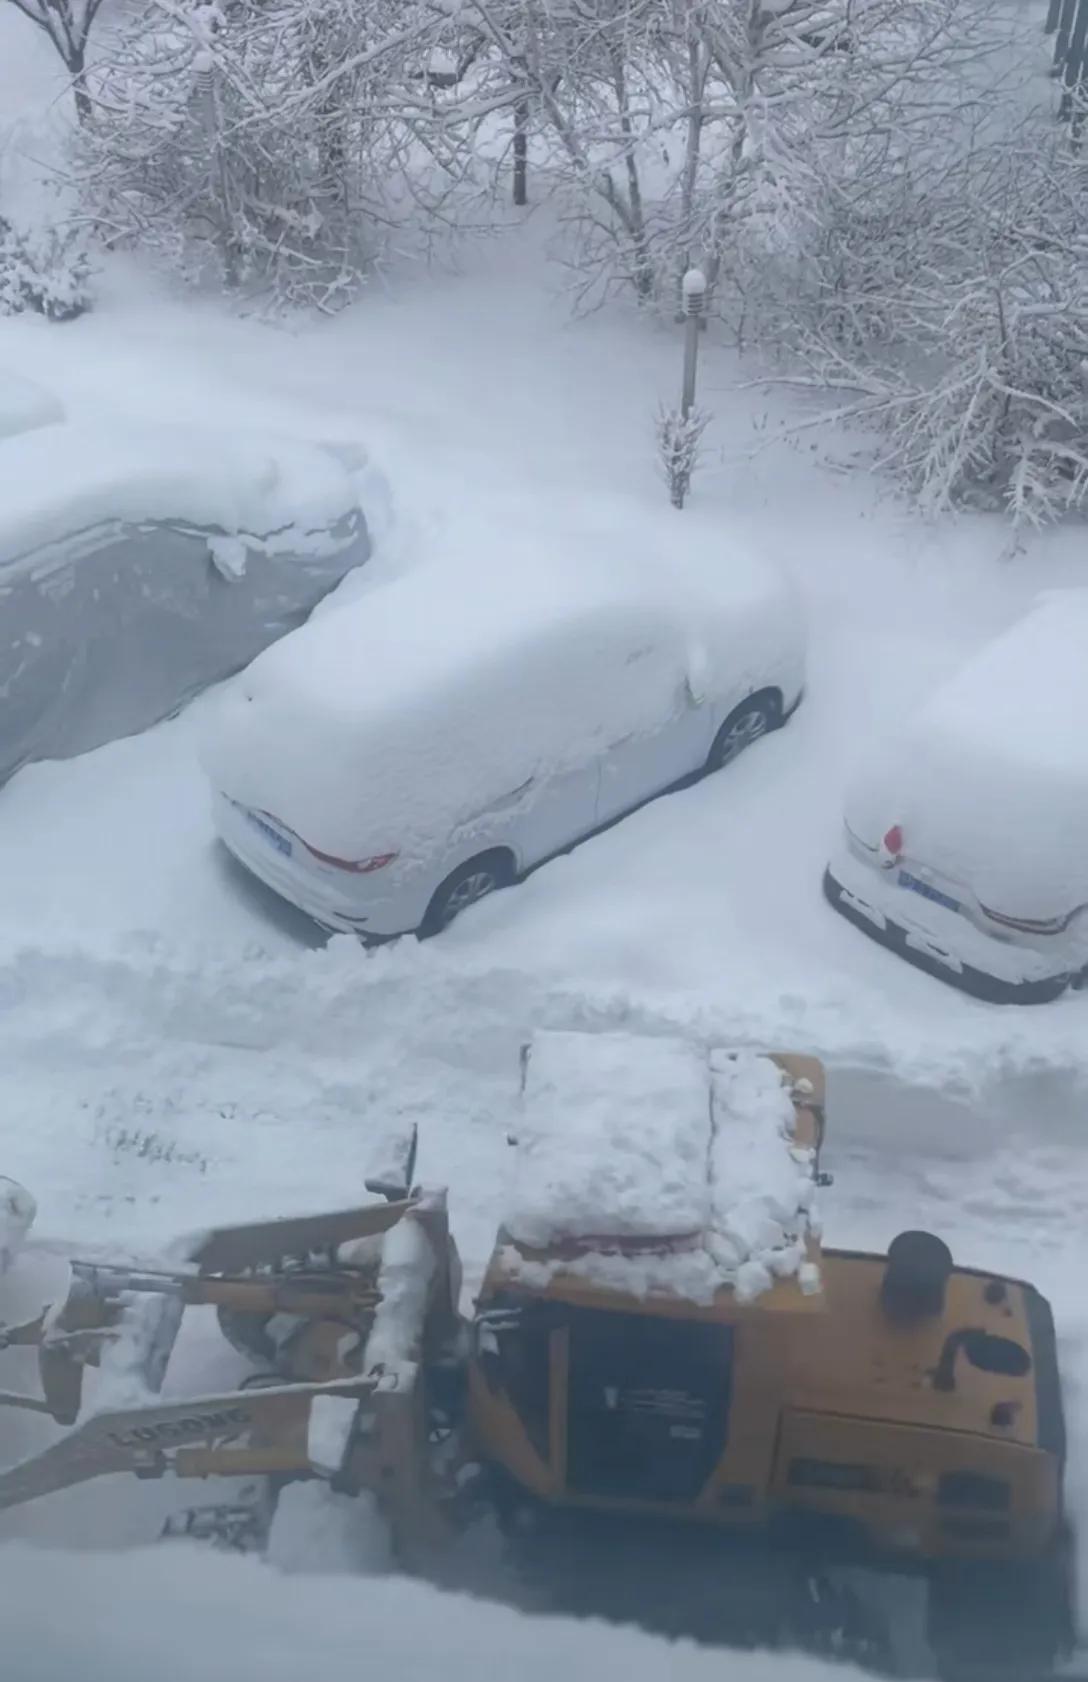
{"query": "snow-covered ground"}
[(153, 1616), (174, 1052)]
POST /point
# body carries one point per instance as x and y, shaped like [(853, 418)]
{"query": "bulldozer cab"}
[(729, 1369), (614, 1361)]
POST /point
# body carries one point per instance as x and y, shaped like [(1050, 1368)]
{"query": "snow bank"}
[(62, 480), (646, 1143), (174, 1612), (989, 780), (25, 406), (407, 693)]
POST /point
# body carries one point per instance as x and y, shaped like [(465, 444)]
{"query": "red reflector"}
[(893, 841)]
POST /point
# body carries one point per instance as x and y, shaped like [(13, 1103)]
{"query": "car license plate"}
[(273, 836), (916, 886)]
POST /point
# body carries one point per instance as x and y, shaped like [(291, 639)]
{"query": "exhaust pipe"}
[(915, 1278)]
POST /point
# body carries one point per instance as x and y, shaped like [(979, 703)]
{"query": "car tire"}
[(757, 716), (483, 875)]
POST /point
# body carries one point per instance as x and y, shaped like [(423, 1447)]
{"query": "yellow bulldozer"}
[(660, 1340)]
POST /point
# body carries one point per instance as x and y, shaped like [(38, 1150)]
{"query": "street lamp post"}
[(693, 291)]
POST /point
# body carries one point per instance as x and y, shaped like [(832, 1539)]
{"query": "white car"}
[(965, 846), (405, 754)]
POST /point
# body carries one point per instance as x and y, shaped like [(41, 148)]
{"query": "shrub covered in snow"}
[(950, 309), (272, 149), (45, 269)]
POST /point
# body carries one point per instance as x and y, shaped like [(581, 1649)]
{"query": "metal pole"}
[(1073, 69), (691, 356), (521, 136), (1065, 24), (693, 287)]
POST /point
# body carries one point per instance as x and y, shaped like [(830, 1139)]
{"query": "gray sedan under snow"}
[(138, 565)]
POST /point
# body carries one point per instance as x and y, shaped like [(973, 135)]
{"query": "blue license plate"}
[(273, 836), (906, 880)]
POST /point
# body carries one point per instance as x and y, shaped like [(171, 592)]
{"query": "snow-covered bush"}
[(679, 438), (45, 269), (273, 147), (948, 308)]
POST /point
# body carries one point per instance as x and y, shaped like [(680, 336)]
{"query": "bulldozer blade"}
[(27, 1332), (147, 1440), (98, 1326), (393, 1174), (233, 1249), (32, 1404)]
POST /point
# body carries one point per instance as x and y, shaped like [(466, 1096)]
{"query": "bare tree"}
[(68, 25)]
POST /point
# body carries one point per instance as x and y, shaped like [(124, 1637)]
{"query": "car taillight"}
[(1033, 925), (891, 846), (357, 867)]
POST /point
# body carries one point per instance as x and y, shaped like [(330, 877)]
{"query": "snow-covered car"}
[(25, 405), (965, 846), (405, 754), (140, 564)]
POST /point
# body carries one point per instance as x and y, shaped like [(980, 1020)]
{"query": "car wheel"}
[(746, 724), (473, 881)]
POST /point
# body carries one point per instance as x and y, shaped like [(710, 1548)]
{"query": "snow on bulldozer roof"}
[(649, 1164)]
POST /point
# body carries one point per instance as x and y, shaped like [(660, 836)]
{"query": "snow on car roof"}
[(431, 699), (64, 479), (25, 406), (667, 1168), (989, 781)]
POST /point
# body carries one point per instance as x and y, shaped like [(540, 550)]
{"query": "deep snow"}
[(177, 1613), (173, 1056)]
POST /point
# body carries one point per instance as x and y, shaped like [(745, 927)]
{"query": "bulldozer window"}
[(648, 1405)]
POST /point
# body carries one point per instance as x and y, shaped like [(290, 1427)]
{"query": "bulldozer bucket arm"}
[(119, 1315), (376, 1422), (269, 1425)]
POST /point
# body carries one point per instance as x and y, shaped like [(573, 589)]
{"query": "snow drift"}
[(24, 406), (176, 1612)]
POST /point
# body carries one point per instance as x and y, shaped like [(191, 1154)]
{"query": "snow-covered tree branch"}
[(68, 25)]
